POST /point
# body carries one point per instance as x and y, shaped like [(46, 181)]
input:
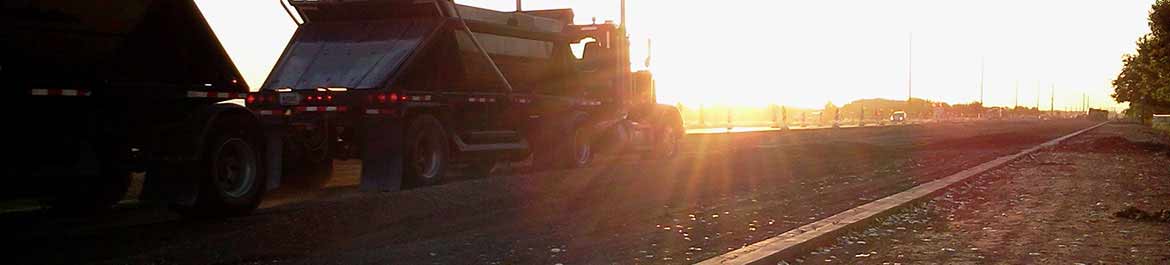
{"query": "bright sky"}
[(805, 53)]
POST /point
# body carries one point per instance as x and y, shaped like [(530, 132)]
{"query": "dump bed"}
[(349, 54), (365, 44), (96, 45)]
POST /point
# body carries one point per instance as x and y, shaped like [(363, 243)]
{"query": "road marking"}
[(802, 240)]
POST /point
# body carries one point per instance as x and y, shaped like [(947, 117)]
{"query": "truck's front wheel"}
[(230, 179), (667, 143)]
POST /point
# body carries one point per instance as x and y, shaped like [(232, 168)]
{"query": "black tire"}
[(92, 194), (666, 145), (426, 155), (555, 151), (230, 176)]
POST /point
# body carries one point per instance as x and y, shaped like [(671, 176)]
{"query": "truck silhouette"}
[(412, 88)]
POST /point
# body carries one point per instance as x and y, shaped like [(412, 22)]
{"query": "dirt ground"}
[(724, 192), (1057, 206)]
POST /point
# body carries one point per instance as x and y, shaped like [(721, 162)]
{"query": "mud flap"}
[(274, 157), (382, 168)]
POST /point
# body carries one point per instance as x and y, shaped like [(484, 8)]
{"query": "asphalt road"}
[(723, 192)]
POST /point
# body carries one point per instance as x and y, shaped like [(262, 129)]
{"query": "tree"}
[(1144, 80)]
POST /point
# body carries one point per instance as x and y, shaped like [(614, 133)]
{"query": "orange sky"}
[(805, 53)]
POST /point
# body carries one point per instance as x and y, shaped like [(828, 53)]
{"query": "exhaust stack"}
[(623, 14)]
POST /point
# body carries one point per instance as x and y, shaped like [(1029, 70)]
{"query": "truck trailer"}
[(101, 90), (414, 87)]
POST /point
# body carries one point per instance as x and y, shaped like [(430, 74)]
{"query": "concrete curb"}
[(804, 239)]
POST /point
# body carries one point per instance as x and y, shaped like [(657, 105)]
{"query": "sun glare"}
[(805, 54)]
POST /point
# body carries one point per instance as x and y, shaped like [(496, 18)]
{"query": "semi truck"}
[(101, 90), (415, 88)]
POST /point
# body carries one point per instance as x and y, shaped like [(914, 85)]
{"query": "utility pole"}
[(982, 67), (910, 72), (1017, 95), (1052, 99), (519, 8), (1085, 101)]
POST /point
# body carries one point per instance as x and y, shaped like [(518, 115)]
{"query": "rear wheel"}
[(426, 151), (231, 182)]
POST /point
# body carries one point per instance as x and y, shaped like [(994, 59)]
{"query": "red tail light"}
[(386, 98), (251, 99)]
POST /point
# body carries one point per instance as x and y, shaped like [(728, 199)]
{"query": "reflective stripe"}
[(381, 112), (323, 109), (59, 92), (213, 94), (196, 94)]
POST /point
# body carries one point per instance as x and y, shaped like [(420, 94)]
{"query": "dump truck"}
[(415, 88), (103, 90)]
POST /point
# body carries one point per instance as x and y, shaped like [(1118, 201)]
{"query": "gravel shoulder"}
[(1057, 206)]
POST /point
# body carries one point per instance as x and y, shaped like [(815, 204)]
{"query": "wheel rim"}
[(234, 168), (427, 157), (581, 147)]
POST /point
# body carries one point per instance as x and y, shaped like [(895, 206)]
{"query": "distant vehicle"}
[(1098, 115), (898, 117), (103, 89), (412, 87)]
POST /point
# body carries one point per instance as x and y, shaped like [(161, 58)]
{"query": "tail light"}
[(260, 99), (319, 99), (383, 98)]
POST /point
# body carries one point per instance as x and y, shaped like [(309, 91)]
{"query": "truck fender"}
[(667, 115)]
